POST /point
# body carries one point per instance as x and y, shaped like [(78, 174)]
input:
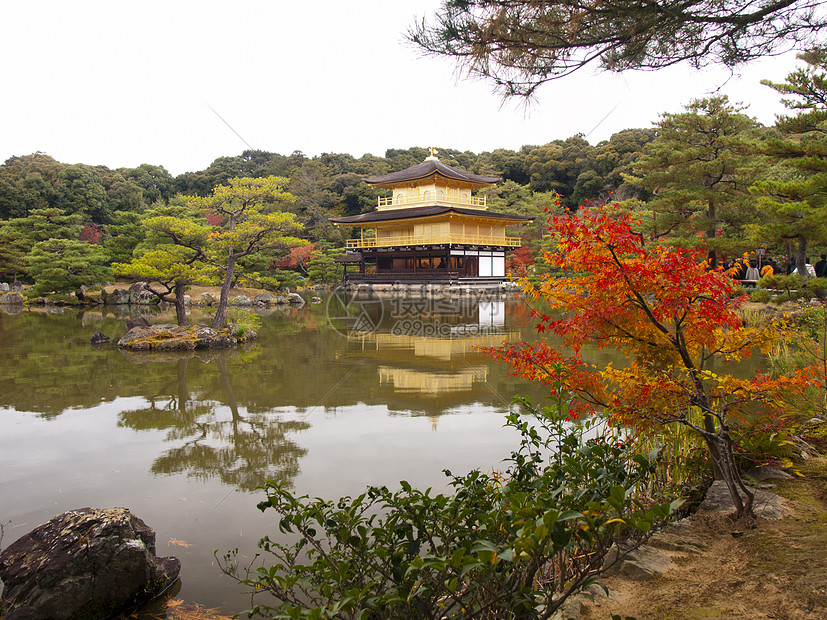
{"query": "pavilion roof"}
[(416, 212), (427, 168)]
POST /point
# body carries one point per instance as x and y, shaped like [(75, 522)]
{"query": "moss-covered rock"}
[(175, 338)]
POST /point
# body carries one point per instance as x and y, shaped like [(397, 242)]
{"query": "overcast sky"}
[(124, 83)]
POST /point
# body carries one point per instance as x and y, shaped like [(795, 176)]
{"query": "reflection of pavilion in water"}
[(435, 354)]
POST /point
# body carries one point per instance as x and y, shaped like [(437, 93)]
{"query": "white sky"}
[(123, 83)]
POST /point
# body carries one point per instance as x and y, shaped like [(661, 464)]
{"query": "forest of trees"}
[(709, 174)]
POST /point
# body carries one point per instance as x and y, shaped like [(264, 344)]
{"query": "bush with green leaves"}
[(243, 323), (65, 266), (511, 545), (322, 267), (792, 287), (760, 295)]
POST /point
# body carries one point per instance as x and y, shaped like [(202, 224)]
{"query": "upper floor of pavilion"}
[(431, 183)]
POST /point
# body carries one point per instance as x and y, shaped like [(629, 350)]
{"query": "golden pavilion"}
[(430, 229)]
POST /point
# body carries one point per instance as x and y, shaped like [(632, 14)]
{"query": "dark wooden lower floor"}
[(443, 264)]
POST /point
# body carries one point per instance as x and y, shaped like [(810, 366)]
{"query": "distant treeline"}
[(710, 175), (328, 184)]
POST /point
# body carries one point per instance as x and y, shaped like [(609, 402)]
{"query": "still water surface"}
[(331, 397)]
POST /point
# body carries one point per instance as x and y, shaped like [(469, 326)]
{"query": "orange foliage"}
[(297, 258), (664, 308)]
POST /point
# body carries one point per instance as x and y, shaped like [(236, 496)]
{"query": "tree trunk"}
[(711, 233), (712, 447), (801, 257), (720, 448), (180, 310), (221, 312)]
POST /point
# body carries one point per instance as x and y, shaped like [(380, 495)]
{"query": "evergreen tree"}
[(66, 265), (18, 236), (322, 267), (172, 257), (699, 169), (807, 87), (248, 217), (793, 204), (521, 44)]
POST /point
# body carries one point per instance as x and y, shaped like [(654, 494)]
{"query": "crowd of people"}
[(750, 271)]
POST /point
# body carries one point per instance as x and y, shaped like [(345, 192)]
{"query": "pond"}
[(331, 397)]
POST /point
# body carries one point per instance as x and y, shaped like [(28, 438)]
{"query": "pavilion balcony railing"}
[(407, 240), (401, 276), (390, 202)]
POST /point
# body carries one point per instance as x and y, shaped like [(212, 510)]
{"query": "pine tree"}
[(793, 204), (699, 170)]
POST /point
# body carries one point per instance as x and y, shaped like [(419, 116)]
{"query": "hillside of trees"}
[(709, 174)]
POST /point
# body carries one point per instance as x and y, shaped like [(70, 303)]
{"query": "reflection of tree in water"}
[(218, 439)]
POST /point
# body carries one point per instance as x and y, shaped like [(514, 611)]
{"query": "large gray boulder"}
[(12, 299), (641, 564), (766, 504), (264, 299), (117, 297), (140, 295), (240, 300), (85, 563), (295, 298)]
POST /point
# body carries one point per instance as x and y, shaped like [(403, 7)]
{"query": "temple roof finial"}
[(433, 155)]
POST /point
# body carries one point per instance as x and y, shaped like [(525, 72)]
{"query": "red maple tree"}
[(297, 258), (671, 315)]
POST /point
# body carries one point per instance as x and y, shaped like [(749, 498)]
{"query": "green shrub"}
[(762, 443), (794, 287), (511, 545), (760, 296), (243, 322)]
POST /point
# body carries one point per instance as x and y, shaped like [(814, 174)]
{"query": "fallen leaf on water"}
[(180, 543), (177, 609)]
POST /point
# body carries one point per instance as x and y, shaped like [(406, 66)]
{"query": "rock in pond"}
[(175, 338), (12, 299), (139, 294), (85, 563), (99, 338), (137, 321), (117, 297), (264, 299)]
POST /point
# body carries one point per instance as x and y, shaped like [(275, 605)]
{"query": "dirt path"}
[(778, 570)]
